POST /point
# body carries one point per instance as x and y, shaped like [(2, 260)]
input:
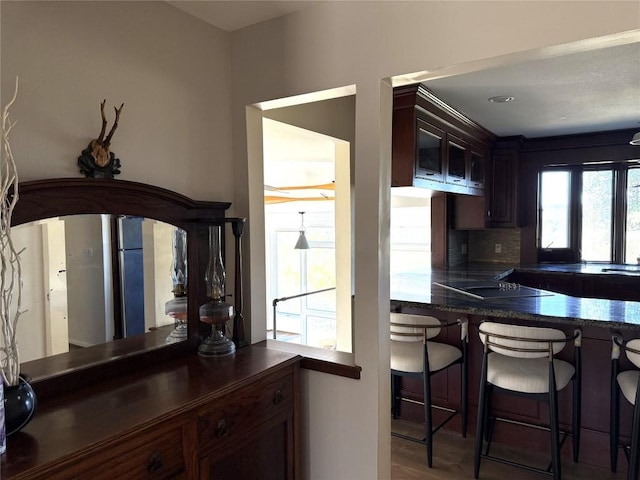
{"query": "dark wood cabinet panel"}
[(262, 457), (468, 212), (502, 193), (609, 286)]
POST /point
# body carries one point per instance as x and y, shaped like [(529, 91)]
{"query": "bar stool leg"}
[(464, 400), (482, 402), (553, 420), (577, 407), (614, 417), (428, 421), (634, 459), (394, 396)]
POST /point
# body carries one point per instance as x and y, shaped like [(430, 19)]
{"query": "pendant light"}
[(302, 243), (635, 140)]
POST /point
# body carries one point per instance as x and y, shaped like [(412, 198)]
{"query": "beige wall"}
[(346, 422), (170, 70)]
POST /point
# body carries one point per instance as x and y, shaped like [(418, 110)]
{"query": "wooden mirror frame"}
[(49, 198)]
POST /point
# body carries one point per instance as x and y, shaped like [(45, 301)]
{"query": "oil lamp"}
[(176, 308), (216, 312)]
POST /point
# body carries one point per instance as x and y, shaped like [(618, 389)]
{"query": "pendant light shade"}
[(302, 243), (636, 139)]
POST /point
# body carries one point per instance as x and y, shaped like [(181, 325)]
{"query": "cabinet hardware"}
[(155, 462), (222, 430)]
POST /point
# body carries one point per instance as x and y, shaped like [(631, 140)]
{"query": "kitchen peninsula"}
[(597, 318)]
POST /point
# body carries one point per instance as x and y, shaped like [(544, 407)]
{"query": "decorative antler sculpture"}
[(97, 160)]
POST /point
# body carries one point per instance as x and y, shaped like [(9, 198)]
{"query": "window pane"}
[(597, 215), (632, 248), (554, 205)]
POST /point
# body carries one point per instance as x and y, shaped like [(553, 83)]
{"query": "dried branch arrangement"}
[(10, 272)]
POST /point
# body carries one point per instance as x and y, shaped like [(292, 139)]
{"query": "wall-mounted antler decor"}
[(97, 160)]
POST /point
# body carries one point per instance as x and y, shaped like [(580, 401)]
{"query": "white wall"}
[(346, 422), (170, 70)]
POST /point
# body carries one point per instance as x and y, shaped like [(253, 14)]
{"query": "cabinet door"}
[(456, 161), (264, 457), (502, 204), (476, 169), (249, 433), (429, 151)]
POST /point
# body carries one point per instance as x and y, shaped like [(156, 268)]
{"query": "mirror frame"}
[(41, 199)]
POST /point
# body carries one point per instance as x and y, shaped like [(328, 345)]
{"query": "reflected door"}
[(55, 266)]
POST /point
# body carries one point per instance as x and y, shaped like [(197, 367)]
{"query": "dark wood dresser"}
[(187, 418)]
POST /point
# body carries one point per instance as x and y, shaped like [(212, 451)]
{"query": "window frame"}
[(573, 254)]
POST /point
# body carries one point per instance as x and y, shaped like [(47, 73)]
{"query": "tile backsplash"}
[(500, 245)]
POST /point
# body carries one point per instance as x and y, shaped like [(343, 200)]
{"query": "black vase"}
[(19, 405)]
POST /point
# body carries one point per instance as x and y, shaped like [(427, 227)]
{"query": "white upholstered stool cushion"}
[(527, 375), (628, 382), (407, 356)]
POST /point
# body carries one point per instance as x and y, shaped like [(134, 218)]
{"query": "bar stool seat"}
[(529, 375), (407, 356), (628, 383)]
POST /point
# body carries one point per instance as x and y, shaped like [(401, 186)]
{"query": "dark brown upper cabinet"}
[(502, 193), (429, 164), (477, 169), (436, 147)]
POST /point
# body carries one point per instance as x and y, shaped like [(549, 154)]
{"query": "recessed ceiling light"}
[(501, 99)]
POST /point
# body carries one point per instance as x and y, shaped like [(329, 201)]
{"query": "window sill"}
[(318, 359)]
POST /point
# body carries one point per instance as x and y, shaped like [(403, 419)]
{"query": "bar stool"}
[(521, 361), (628, 382), (414, 355)]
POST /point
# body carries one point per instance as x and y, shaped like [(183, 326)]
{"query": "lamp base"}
[(178, 334), (216, 345)]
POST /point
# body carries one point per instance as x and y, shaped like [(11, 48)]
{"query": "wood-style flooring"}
[(453, 460)]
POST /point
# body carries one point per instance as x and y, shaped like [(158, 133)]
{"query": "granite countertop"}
[(607, 269), (418, 289)]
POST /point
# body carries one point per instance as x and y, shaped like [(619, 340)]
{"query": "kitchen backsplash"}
[(501, 245)]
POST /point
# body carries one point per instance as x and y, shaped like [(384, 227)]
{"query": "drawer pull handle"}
[(222, 430), (278, 398), (155, 462)]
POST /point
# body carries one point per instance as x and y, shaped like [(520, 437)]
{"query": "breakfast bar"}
[(495, 295)]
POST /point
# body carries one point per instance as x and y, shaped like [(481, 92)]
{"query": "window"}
[(410, 240), (597, 215), (589, 213), (555, 197), (303, 284), (632, 230)]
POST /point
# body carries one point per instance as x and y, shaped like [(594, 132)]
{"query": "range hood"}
[(489, 289)]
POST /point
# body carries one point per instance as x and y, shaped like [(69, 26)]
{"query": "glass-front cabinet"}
[(429, 158), (476, 169), (456, 161)]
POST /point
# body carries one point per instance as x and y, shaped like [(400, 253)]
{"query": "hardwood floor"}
[(453, 460)]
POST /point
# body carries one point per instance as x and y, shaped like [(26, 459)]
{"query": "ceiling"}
[(587, 91), (233, 15)]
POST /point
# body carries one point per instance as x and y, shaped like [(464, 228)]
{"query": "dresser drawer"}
[(150, 455), (236, 415)]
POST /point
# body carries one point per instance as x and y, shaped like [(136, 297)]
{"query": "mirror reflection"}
[(91, 279)]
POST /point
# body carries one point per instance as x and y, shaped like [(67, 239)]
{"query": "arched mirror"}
[(99, 269)]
